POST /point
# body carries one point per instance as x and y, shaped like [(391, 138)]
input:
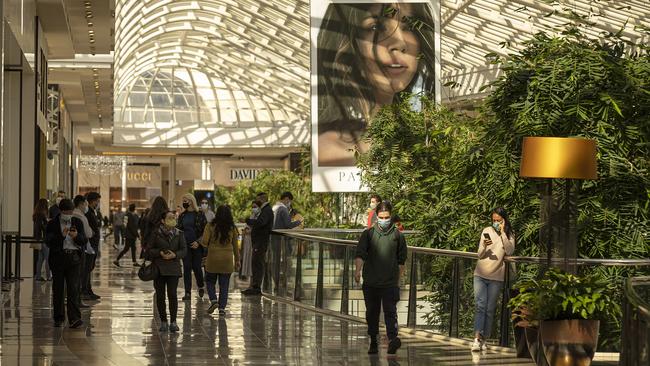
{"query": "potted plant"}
[(566, 310)]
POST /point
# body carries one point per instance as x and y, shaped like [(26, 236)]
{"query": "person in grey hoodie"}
[(281, 221)]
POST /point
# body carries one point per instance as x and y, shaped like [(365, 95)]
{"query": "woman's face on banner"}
[(390, 50)]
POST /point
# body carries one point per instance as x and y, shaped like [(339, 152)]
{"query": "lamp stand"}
[(558, 215)]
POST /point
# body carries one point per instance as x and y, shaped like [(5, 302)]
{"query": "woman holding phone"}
[(167, 249), (496, 242)]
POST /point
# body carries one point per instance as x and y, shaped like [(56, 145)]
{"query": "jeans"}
[(375, 298), (171, 285), (224, 282), (486, 294), (192, 263), (118, 231), (43, 254), (65, 279)]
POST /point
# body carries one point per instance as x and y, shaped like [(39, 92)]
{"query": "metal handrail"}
[(635, 347), (280, 256), (472, 255)]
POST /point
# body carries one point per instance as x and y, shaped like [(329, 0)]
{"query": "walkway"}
[(120, 331)]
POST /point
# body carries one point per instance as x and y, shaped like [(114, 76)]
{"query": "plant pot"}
[(534, 348), (569, 342), (521, 345)]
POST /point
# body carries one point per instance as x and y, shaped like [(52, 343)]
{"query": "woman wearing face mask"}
[(381, 253), (167, 248), (40, 222), (496, 242), (374, 201), (220, 239), (246, 270), (192, 223)]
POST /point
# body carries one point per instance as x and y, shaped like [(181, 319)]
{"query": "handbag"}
[(148, 271)]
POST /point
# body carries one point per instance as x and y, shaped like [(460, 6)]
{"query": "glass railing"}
[(635, 338), (316, 268)]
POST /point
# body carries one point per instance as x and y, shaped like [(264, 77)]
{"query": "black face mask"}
[(186, 205)]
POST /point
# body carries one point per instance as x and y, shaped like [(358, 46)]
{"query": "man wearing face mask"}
[(207, 211), (81, 208), (372, 218), (54, 210), (381, 252), (261, 227), (66, 239), (281, 221)]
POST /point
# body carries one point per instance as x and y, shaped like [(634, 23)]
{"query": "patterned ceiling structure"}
[(254, 54)]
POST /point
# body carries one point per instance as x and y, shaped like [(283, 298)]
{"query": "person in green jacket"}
[(220, 237), (381, 252)]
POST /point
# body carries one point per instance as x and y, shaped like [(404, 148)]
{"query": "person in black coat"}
[(95, 223), (66, 240), (261, 226), (167, 248), (132, 227)]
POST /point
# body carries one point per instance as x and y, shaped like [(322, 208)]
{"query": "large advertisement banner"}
[(364, 55)]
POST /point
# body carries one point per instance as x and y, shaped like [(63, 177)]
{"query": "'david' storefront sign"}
[(237, 174)]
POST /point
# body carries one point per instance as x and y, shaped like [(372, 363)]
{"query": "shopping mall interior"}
[(471, 174)]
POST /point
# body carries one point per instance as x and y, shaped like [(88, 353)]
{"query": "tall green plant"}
[(445, 172)]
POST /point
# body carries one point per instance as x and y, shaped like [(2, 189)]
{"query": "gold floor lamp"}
[(565, 158)]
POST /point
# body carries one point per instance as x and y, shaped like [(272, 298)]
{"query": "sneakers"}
[(187, 297), (394, 345), (201, 292), (76, 324), (222, 312), (213, 307), (477, 345), (116, 263), (374, 347), (163, 327), (136, 264), (173, 327)]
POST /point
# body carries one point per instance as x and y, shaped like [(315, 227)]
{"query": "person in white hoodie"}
[(80, 210), (496, 242)]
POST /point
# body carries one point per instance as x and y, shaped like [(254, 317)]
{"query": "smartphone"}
[(486, 236)]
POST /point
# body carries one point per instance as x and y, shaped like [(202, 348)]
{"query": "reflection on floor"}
[(121, 331)]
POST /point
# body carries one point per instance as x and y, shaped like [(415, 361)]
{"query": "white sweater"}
[(490, 257)]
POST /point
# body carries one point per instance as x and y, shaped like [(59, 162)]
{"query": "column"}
[(124, 166), (172, 183)]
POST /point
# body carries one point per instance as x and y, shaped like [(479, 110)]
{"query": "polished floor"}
[(121, 330)]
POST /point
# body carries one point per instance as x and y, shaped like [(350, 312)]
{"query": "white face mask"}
[(85, 210), (66, 218), (373, 205), (58, 200), (255, 210), (204, 206)]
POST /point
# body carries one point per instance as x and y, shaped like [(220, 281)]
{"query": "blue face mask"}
[(384, 223), (496, 226)]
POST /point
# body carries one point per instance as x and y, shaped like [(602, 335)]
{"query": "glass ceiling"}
[(231, 68)]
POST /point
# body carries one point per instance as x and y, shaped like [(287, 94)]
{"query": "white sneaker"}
[(476, 346)]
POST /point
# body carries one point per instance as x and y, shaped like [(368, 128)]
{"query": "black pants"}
[(171, 283), (192, 263), (258, 259), (86, 272), (130, 244), (375, 298), (65, 268)]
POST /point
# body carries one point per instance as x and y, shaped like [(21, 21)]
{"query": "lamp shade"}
[(558, 157)]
